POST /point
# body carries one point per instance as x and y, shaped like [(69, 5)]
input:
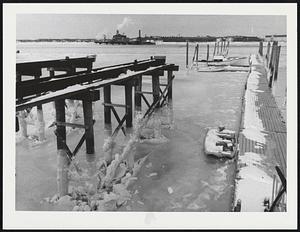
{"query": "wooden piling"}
[(276, 65), (187, 54), (270, 58), (137, 95), (88, 121), (63, 160), (61, 117), (197, 54), (170, 96), (107, 99), (272, 63), (227, 48), (170, 90), (268, 52), (260, 51), (63, 164), (271, 66), (194, 56), (222, 47), (128, 103), (155, 88), (207, 52), (215, 49), (40, 123)]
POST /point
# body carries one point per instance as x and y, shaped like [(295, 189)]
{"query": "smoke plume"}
[(125, 23)]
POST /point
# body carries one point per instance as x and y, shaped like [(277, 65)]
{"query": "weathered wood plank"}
[(81, 62), (79, 89)]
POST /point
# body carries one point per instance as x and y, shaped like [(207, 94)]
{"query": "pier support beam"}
[(128, 103), (170, 96), (170, 91), (276, 64), (107, 147), (260, 51), (187, 54), (268, 53), (137, 95), (107, 99), (63, 160), (88, 121), (40, 124), (221, 47), (207, 52), (214, 53), (87, 104), (155, 88), (272, 64)]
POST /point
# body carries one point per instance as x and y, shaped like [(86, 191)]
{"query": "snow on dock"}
[(262, 141)]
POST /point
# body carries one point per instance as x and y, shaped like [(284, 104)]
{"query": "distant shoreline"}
[(158, 43), (160, 39)]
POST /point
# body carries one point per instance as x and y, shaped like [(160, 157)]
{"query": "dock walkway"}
[(262, 141)]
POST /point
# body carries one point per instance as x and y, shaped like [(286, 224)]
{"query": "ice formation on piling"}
[(107, 188)]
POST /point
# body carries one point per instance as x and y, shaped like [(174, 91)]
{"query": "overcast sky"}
[(34, 26)]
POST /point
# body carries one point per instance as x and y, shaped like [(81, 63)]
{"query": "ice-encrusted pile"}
[(107, 186)]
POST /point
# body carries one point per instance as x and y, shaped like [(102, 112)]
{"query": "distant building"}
[(281, 38)]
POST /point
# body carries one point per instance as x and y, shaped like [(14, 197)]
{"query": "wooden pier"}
[(273, 151), (85, 86)]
